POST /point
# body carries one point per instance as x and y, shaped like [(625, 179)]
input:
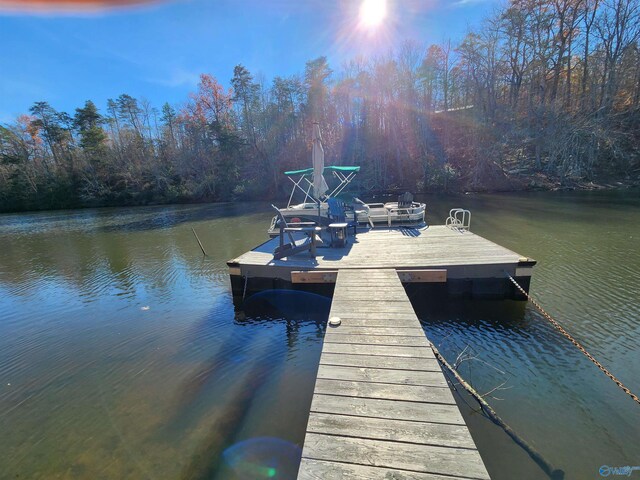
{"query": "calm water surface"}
[(122, 356)]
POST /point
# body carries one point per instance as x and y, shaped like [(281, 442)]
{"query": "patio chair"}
[(405, 200), (337, 214), (293, 246)]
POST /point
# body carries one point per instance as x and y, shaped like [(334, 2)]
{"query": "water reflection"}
[(93, 385), (120, 354), (205, 463), (289, 304), (113, 251), (540, 385)]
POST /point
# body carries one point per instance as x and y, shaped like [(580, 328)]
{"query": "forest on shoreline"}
[(542, 94)]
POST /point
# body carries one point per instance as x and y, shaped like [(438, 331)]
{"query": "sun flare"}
[(373, 12)]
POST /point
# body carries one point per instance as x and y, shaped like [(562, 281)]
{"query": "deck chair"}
[(337, 213), (293, 246), (405, 200)]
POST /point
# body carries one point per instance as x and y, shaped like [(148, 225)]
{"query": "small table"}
[(338, 233)]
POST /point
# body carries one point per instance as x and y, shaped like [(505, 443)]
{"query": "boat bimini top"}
[(303, 181)]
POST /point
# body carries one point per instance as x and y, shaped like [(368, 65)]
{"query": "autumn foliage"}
[(542, 94)]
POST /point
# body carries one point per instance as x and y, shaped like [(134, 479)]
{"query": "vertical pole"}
[(199, 242)]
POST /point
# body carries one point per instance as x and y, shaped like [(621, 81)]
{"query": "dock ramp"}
[(381, 406)]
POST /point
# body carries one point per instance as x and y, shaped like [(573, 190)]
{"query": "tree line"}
[(540, 89)]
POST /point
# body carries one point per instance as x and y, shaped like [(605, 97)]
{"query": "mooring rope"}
[(575, 342), (548, 468)]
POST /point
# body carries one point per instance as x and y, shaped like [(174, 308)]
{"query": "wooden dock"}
[(467, 264), (381, 406)]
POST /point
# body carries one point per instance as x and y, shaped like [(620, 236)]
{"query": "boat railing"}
[(394, 214), (406, 212), (459, 219)]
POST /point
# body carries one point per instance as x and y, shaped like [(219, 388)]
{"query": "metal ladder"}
[(459, 219)]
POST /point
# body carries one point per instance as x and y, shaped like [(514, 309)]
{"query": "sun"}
[(372, 12)]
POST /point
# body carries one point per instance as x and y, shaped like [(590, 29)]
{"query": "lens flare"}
[(373, 13), (263, 458)]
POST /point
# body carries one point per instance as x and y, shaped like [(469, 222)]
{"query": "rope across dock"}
[(567, 335)]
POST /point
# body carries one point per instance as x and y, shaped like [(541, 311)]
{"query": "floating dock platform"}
[(382, 407), (456, 262)]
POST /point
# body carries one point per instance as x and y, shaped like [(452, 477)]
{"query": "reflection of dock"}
[(381, 406), (458, 261)]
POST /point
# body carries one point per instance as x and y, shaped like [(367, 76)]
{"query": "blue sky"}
[(157, 51)]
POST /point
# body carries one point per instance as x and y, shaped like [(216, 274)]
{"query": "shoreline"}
[(541, 183)]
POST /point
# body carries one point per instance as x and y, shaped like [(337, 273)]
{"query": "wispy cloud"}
[(11, 87), (177, 77), (467, 3)]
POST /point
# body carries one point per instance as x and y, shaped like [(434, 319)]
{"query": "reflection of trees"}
[(120, 251), (238, 365)]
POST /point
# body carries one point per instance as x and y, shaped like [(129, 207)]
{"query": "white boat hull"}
[(373, 214)]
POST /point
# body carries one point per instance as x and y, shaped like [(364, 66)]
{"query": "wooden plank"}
[(350, 289), (360, 273), (325, 470), (378, 361), (369, 296), (314, 276), (346, 329), (364, 284), (524, 271), (390, 317), (370, 306), (423, 276), (391, 409), (369, 272), (374, 303), (382, 375), (384, 350), (403, 315), (391, 429), (419, 458), (410, 393), (403, 340), (402, 323), (394, 299), (382, 320), (360, 278)]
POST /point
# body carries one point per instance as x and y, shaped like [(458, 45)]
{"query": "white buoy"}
[(335, 321)]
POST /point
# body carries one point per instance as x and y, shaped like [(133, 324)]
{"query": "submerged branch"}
[(553, 473)]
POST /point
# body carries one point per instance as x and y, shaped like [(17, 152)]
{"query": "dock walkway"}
[(381, 406)]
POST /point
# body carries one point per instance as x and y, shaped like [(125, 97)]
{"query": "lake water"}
[(122, 356)]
